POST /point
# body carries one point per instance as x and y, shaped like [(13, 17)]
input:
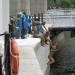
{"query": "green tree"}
[(73, 3), (50, 2), (65, 3)]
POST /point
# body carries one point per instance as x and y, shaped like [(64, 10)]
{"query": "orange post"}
[(14, 57)]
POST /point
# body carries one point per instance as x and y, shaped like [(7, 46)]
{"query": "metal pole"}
[(23, 32), (7, 54), (0, 64)]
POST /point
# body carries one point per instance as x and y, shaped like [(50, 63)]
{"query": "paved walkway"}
[(33, 57)]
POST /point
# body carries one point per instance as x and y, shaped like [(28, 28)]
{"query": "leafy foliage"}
[(50, 2), (73, 3), (63, 3)]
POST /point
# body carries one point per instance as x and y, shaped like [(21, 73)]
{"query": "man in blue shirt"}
[(27, 23), (19, 25), (23, 24)]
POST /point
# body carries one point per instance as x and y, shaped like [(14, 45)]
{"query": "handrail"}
[(2, 34)]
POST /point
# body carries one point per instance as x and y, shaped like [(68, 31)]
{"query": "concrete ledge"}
[(29, 42)]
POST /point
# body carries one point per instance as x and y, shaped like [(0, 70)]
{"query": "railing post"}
[(7, 54), (41, 17), (23, 32), (0, 64)]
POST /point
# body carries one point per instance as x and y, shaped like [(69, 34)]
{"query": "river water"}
[(64, 59)]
